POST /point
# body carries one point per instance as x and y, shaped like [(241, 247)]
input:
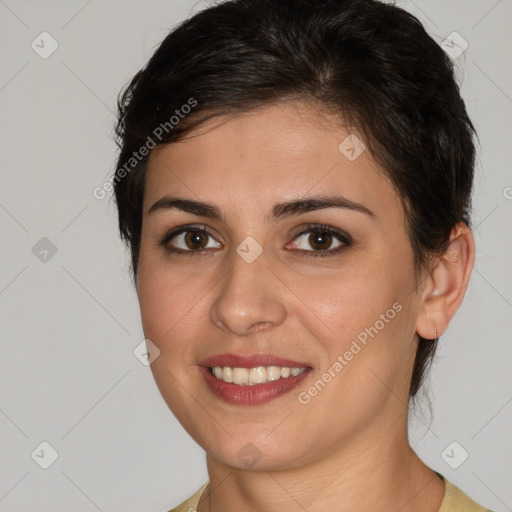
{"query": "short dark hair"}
[(372, 64)]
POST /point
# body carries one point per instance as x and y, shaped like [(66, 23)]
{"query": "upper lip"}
[(249, 361)]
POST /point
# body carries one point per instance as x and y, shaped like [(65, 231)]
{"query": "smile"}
[(235, 385), (256, 375)]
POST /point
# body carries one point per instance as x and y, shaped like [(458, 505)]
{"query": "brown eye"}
[(195, 240), (320, 240), (189, 240)]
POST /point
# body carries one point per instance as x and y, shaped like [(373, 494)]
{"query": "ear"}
[(446, 284)]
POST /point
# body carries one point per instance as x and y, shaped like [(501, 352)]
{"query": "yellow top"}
[(454, 500)]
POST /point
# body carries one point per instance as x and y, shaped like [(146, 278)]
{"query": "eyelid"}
[(306, 228), (200, 228)]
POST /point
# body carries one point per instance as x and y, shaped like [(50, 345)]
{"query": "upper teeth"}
[(256, 375)]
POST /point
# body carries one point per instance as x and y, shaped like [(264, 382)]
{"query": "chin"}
[(251, 451)]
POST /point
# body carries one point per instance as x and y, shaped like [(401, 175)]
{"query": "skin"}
[(350, 440)]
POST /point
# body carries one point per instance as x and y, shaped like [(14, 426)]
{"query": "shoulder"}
[(457, 501), (191, 503)]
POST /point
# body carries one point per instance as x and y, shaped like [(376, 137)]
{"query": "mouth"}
[(252, 380), (255, 375)]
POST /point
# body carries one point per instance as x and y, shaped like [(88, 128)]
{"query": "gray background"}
[(70, 322)]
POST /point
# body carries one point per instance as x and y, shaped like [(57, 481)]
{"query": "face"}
[(298, 277)]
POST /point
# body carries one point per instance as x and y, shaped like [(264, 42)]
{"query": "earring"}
[(437, 337)]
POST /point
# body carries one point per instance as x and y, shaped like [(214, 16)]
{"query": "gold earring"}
[(435, 331)]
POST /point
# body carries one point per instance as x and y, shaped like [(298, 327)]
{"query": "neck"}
[(374, 471)]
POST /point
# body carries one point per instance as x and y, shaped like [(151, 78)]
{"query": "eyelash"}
[(344, 238)]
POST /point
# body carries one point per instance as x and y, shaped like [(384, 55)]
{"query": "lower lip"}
[(254, 394)]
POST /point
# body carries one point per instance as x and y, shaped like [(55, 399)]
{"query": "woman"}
[(294, 184)]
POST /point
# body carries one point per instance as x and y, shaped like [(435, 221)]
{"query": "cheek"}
[(163, 309), (161, 302), (346, 302), (366, 337), (173, 308), (363, 317), (169, 316)]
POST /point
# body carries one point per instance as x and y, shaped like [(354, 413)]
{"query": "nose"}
[(250, 298)]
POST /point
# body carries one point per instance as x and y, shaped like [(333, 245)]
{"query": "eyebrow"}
[(279, 211)]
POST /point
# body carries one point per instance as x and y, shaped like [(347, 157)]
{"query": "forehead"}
[(253, 160)]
